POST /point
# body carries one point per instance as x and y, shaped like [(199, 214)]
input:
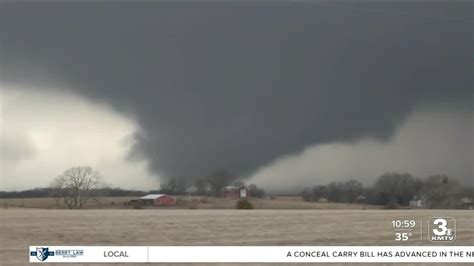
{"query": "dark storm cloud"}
[(236, 85)]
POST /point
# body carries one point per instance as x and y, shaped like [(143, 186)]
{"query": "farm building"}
[(157, 200), (467, 203), (323, 200), (361, 199), (415, 202), (233, 192)]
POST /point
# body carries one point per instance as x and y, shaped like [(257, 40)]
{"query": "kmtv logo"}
[(442, 229)]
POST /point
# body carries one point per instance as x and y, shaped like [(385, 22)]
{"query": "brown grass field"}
[(346, 225), (285, 203)]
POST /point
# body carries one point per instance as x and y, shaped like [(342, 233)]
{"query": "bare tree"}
[(353, 189), (202, 186), (440, 191), (218, 180), (397, 188), (73, 187)]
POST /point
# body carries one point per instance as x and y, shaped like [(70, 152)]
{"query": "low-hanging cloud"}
[(237, 85), (43, 138), (430, 142), (16, 148)]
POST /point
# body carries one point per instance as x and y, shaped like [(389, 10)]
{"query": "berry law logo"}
[(42, 253), (442, 229)]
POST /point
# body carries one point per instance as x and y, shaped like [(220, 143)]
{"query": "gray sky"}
[(206, 86), (45, 133)]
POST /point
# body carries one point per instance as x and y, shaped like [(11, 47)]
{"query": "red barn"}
[(158, 200)]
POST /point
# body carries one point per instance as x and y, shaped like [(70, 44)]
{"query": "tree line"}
[(211, 185), (79, 185), (395, 189), (50, 192)]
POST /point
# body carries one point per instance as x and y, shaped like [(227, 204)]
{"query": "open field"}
[(21, 227), (286, 203)]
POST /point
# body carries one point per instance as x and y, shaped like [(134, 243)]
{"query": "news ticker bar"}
[(251, 254)]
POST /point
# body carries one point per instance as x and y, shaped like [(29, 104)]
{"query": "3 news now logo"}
[(442, 229)]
